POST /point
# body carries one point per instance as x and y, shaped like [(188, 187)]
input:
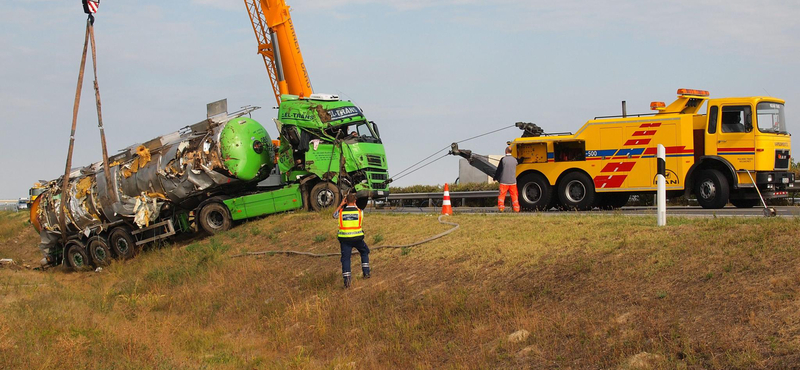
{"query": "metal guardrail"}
[(430, 197)]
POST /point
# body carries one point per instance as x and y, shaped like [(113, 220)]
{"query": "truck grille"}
[(781, 159), (374, 160), (378, 176)]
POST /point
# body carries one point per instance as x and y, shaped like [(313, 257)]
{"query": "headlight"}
[(769, 178)]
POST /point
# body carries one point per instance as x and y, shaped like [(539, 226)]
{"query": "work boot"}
[(347, 281), (365, 270)]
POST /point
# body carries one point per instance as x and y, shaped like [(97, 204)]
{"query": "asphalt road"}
[(680, 211)]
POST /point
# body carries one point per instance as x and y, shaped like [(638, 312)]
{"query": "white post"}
[(661, 195)]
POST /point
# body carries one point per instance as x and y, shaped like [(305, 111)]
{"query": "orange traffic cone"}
[(447, 209)]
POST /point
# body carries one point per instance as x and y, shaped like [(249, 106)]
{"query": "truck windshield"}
[(363, 132), (771, 118)]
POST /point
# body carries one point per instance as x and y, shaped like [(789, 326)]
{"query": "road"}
[(681, 211)]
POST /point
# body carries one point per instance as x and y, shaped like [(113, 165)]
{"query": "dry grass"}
[(594, 292)]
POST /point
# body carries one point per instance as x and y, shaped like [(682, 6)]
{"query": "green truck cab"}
[(329, 147)]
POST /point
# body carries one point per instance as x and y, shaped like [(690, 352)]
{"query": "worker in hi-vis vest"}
[(351, 236)]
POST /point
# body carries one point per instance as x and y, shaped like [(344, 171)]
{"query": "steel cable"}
[(454, 227), (443, 149)]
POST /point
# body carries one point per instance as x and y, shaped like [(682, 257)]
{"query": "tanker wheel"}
[(77, 258), (576, 191), (362, 202), (99, 250), (215, 218), (535, 193), (324, 195), (122, 242), (712, 189)]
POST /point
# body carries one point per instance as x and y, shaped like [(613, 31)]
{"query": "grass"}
[(593, 291)]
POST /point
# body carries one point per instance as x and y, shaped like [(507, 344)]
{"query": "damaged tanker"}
[(169, 185), (208, 176)]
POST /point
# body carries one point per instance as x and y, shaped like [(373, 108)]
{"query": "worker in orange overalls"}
[(351, 236), (506, 175)]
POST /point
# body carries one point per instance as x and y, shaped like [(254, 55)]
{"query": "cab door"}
[(736, 136)]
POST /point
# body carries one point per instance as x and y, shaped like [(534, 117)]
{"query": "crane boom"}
[(278, 45)]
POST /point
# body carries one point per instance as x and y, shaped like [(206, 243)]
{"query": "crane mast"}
[(278, 45)]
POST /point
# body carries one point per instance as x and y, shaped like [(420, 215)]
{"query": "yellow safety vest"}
[(350, 223)]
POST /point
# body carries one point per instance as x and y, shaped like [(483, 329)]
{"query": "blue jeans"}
[(347, 249)]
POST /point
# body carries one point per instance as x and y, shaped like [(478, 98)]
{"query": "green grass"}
[(593, 291)]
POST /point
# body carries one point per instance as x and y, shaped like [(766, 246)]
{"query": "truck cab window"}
[(713, 114), (736, 119)]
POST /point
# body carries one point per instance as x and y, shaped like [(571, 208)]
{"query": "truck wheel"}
[(576, 191), (745, 203), (323, 195), (711, 189), (77, 258), (99, 250), (215, 218), (122, 242), (535, 193)]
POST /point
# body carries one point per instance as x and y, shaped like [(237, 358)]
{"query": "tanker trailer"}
[(172, 184)]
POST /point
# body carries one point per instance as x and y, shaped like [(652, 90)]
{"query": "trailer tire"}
[(215, 218), (324, 195), (122, 242), (711, 189), (576, 191), (745, 203), (77, 258), (535, 193), (99, 250)]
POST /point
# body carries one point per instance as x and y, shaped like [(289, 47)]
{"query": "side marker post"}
[(661, 195)]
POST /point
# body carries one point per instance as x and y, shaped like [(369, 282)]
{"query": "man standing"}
[(351, 236), (506, 175)]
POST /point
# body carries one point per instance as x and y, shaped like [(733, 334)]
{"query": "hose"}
[(454, 227)]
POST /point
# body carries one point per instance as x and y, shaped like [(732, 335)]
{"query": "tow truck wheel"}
[(77, 257), (535, 193), (711, 189), (324, 195), (122, 242), (576, 191), (99, 250), (745, 203), (215, 218)]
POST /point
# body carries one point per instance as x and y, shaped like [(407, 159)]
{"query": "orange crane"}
[(277, 43)]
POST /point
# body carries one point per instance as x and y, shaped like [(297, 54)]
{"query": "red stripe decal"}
[(645, 125), (736, 149), (645, 133), (637, 142), (618, 167), (605, 182)]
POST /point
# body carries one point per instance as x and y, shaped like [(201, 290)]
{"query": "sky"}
[(429, 73)]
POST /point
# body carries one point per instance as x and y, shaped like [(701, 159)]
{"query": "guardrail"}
[(430, 197)]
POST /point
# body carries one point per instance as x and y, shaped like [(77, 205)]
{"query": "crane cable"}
[(441, 150), (454, 227)]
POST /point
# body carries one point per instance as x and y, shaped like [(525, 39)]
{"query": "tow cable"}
[(454, 227)]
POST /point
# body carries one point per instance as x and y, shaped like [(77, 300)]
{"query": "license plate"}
[(380, 192)]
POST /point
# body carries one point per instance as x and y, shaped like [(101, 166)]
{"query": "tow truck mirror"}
[(748, 122)]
